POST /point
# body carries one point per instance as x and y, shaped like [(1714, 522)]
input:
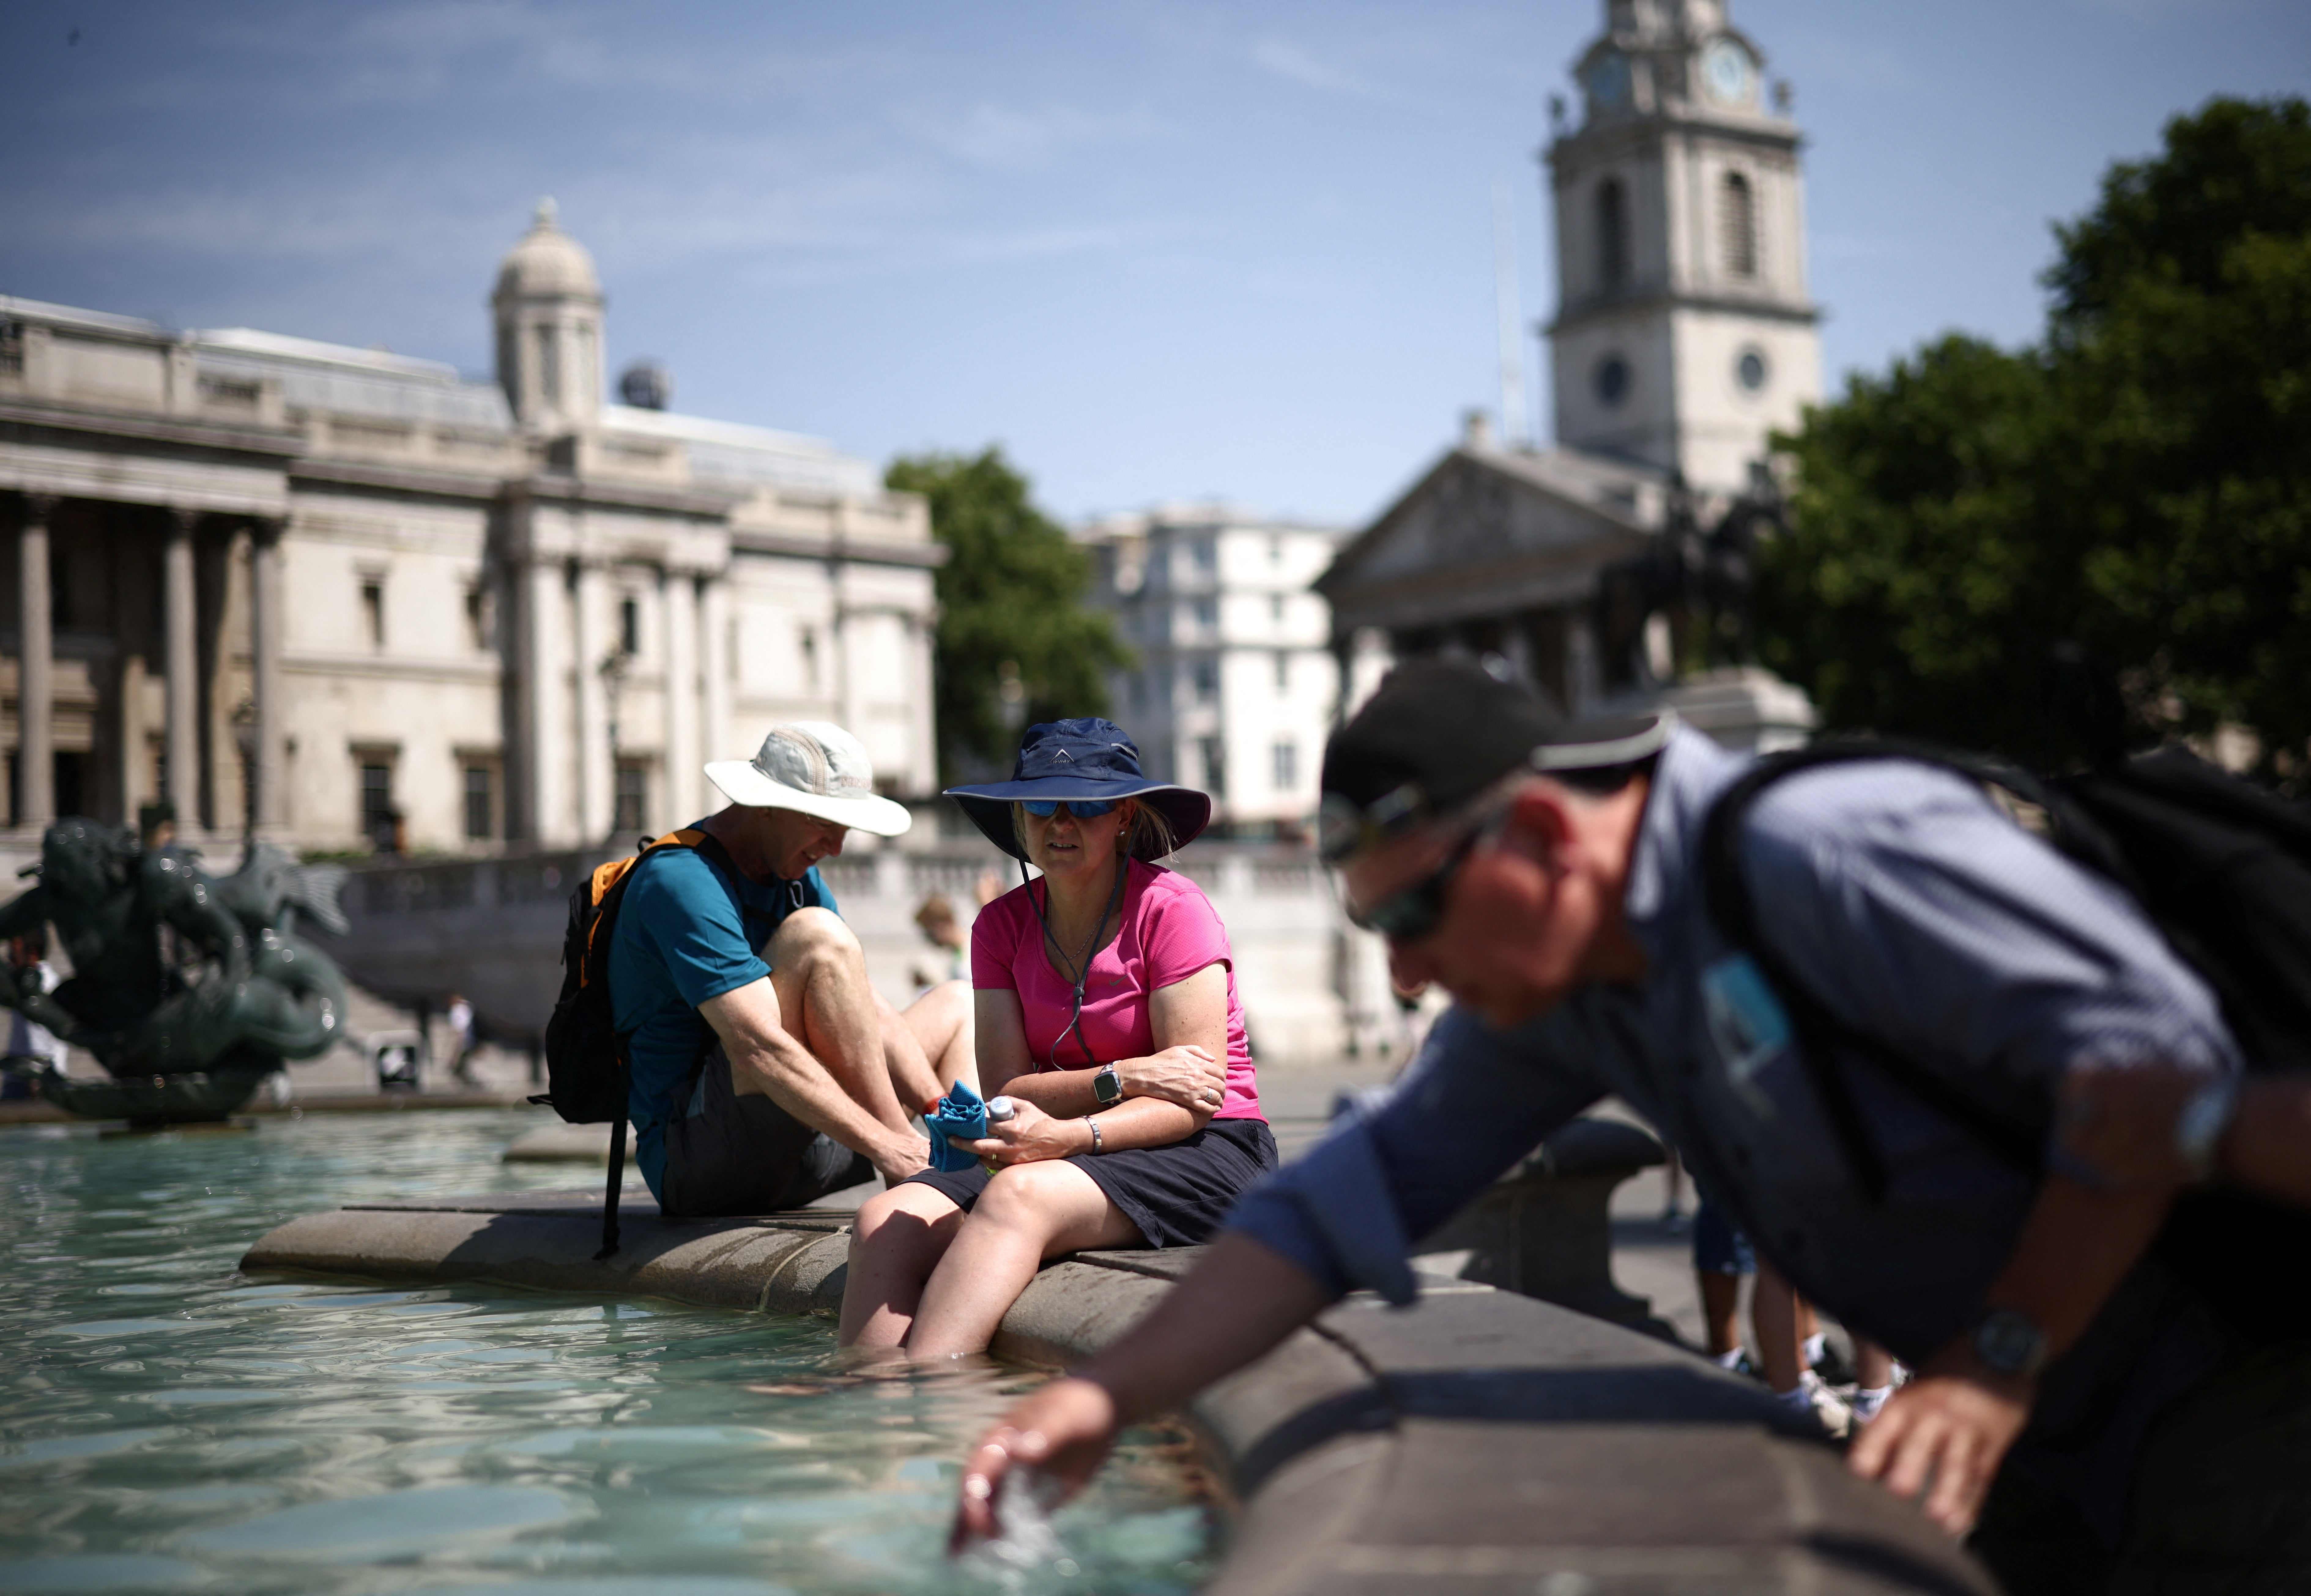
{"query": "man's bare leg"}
[(931, 1046), (824, 1002)]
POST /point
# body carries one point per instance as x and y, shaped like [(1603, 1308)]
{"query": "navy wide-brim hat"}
[(1088, 760)]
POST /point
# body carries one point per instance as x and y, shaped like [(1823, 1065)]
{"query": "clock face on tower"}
[(1727, 73)]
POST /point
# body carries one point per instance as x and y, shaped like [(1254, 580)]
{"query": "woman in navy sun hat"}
[(1106, 1006)]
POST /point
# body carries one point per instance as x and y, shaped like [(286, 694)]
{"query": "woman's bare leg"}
[(896, 1242), (1028, 1213)]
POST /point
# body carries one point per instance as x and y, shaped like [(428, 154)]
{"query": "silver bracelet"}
[(1095, 1146)]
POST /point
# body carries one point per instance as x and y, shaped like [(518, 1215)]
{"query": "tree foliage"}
[(1015, 644), (2106, 538)]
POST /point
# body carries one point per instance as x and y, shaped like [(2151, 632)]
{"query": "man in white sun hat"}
[(766, 1071)]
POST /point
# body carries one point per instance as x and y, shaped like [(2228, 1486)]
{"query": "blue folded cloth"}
[(962, 1113)]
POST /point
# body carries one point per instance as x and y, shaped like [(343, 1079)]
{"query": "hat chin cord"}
[(1079, 970)]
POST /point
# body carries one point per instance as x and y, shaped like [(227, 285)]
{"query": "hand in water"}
[(1186, 1074), (1063, 1431)]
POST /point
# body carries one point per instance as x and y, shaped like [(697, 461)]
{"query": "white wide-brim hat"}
[(816, 768)]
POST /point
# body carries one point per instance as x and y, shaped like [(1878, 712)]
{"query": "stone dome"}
[(548, 263)]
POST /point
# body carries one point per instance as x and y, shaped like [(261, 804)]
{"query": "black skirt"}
[(1177, 1195)]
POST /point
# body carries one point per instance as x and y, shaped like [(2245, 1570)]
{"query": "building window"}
[(480, 810), (630, 626), (1275, 549), (1737, 221), (1612, 234), (1214, 759), (372, 603), (810, 658), (379, 822), (1611, 380), (1276, 609), (1282, 671), (1207, 556), (479, 620), (1286, 755), (12, 348), (549, 367), (1206, 675), (1750, 370), (1207, 612), (628, 815)]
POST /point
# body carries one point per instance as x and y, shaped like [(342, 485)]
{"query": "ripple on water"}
[(283, 1437), (394, 1524)]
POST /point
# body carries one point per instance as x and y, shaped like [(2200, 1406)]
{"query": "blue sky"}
[(1156, 251)]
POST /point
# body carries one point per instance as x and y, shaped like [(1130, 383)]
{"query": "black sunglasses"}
[(1414, 911)]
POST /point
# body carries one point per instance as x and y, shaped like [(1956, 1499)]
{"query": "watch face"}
[(1727, 73), (2008, 1342), (1608, 80)]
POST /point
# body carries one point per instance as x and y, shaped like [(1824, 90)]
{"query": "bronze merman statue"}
[(176, 975)]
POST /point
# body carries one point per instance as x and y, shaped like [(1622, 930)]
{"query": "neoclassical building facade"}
[(348, 599)]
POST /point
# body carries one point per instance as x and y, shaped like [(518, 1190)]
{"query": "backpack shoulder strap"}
[(1819, 1033)]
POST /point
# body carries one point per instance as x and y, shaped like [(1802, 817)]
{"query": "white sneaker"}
[(1812, 1395)]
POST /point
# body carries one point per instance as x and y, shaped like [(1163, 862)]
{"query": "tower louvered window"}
[(1737, 224), (1612, 234)]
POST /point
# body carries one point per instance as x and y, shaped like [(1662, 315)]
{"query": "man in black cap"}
[(1545, 876)]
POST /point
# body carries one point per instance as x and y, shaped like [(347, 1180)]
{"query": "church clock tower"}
[(1684, 333)]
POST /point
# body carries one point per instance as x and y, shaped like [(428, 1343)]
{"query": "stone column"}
[(265, 622), (35, 760), (590, 595), (1584, 675), (542, 714), (179, 616), (922, 729), (715, 687), (680, 605)]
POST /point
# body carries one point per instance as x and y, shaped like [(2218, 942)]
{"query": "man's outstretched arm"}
[(1241, 1301)]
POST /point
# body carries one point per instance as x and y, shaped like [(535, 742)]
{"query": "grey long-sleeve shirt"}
[(1921, 916)]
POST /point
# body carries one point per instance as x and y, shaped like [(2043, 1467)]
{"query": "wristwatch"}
[(1107, 1087), (2008, 1341)]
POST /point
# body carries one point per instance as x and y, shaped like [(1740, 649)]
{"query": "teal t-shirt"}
[(686, 932)]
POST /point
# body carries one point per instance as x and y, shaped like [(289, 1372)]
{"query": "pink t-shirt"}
[(1170, 931)]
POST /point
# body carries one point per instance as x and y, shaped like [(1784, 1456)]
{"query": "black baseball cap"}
[(1440, 731)]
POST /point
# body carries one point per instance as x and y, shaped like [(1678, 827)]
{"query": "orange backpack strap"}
[(607, 876)]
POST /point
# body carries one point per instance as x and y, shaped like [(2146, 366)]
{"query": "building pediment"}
[(1486, 527)]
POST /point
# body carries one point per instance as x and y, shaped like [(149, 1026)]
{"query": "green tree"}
[(2118, 517), (1015, 644)]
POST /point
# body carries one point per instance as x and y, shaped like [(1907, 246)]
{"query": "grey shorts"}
[(730, 1156)]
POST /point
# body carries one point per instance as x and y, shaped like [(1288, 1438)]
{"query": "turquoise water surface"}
[(167, 1423)]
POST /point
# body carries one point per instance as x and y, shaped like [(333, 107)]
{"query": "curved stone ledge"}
[(1477, 1441)]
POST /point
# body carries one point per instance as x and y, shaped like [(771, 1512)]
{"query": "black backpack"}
[(2220, 867), (586, 1073)]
